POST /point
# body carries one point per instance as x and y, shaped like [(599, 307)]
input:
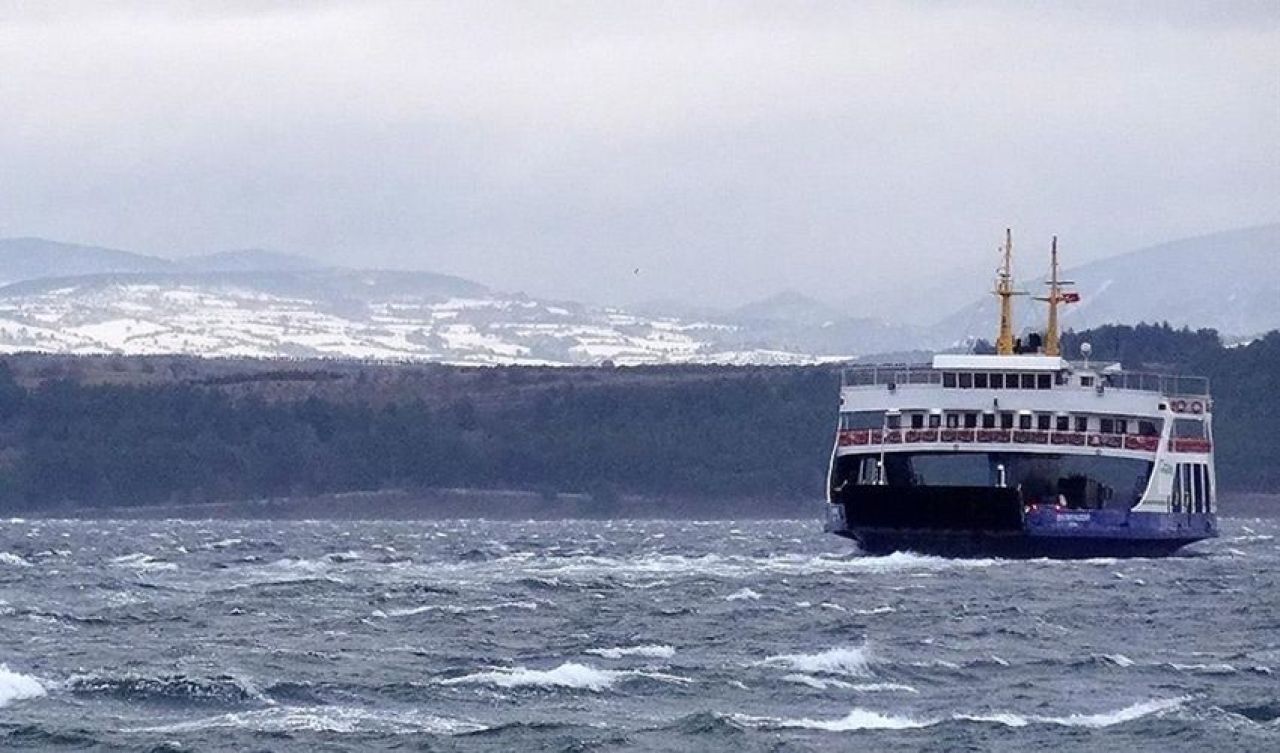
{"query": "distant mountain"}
[(248, 260), (33, 258), (788, 306), (1227, 281)]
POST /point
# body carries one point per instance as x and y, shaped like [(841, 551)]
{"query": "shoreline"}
[(499, 504)]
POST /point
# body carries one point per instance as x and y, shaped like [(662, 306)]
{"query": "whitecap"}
[(331, 719), (571, 675), (1120, 660), (456, 609), (15, 560), (857, 719), (1120, 716), (142, 561), (875, 610), (567, 675), (817, 683), (863, 719), (745, 594), (853, 661), (17, 687), (883, 687), (647, 651)]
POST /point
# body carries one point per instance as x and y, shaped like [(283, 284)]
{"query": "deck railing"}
[(1137, 443)]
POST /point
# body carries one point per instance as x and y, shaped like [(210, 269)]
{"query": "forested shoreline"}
[(99, 431)]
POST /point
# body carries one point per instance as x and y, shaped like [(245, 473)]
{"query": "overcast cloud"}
[(619, 151)]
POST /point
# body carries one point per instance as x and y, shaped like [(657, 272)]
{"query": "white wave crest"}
[(455, 609), (851, 661), (817, 683), (745, 594), (647, 652), (143, 561), (1120, 660), (569, 675), (860, 719), (338, 720), (1094, 721), (14, 560), (17, 687)]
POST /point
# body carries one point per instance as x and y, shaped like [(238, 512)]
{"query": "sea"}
[(172, 636)]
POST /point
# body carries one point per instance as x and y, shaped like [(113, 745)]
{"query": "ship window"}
[(997, 381), (1028, 381), (948, 379), (1024, 421), (1108, 426), (1062, 378), (893, 421), (1086, 381), (935, 420), (863, 419), (917, 420), (1148, 429), (1063, 423), (988, 420), (1044, 381), (1122, 426), (1042, 421), (1011, 381), (953, 420), (1188, 428), (966, 380), (1006, 420), (1082, 423), (980, 381), (970, 420)]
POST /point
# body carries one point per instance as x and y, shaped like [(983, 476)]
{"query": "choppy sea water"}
[(625, 636)]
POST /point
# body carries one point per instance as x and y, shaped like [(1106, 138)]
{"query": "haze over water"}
[(625, 636)]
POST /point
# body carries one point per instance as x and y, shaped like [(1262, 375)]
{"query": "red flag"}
[(1072, 297)]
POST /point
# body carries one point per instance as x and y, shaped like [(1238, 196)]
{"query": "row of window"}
[(1002, 420), (1192, 488), (985, 380)]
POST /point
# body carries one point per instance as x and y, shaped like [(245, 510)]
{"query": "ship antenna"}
[(1004, 290), (1053, 335)]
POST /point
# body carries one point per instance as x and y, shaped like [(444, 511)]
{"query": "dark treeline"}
[(754, 432), (722, 432)]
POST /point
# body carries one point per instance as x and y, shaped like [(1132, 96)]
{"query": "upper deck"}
[(1021, 372)]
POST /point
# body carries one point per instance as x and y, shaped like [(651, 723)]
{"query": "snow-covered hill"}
[(346, 314)]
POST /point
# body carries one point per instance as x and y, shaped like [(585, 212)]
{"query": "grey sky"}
[(725, 150)]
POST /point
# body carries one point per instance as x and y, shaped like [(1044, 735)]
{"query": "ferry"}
[(1022, 453)]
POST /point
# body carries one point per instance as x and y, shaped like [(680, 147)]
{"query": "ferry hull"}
[(1051, 532)]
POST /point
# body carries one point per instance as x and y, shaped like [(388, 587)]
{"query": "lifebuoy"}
[(1179, 406), (1197, 407)]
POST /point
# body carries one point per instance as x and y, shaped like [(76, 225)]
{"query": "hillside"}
[(77, 431), (35, 258)]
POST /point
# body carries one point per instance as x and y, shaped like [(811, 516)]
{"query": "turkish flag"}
[(1072, 297)]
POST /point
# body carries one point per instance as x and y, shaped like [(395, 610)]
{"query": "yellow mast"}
[(1051, 343), (1004, 290), (1052, 335)]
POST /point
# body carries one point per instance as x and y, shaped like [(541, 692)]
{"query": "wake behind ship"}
[(1022, 453)]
